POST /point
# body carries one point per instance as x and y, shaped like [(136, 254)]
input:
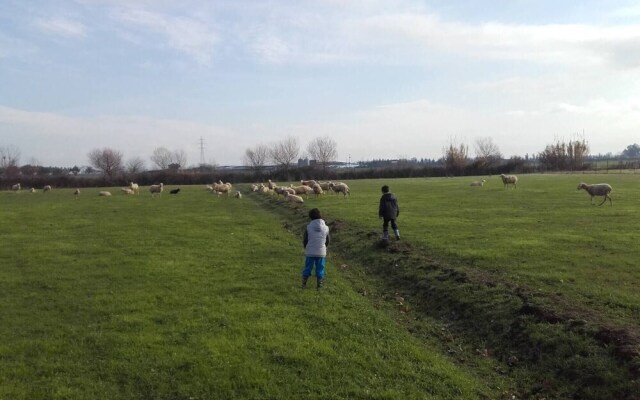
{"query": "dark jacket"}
[(388, 206)]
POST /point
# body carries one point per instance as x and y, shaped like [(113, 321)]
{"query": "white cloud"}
[(187, 35), (61, 27)]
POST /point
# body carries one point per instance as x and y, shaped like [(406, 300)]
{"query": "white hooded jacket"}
[(316, 239)]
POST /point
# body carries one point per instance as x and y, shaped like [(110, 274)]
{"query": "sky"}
[(383, 79)]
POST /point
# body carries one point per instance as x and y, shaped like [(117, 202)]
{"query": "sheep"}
[(104, 193), (317, 189), (46, 188), (341, 188), (509, 180), (293, 198), (32, 190), (209, 188), (478, 183), (326, 186), (271, 185), (174, 191), (221, 188), (134, 187), (237, 195), (76, 193), (306, 190), (126, 191), (16, 187), (309, 183), (599, 189), (156, 189)]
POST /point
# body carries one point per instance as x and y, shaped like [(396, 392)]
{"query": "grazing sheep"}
[(341, 188), (599, 189), (309, 183), (237, 195), (326, 186), (32, 190), (306, 190), (293, 198), (317, 189), (509, 180), (156, 189), (478, 183), (46, 188), (174, 191), (271, 185), (16, 187), (134, 187), (127, 190), (76, 192), (104, 193)]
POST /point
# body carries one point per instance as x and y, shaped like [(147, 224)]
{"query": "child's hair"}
[(314, 213), (385, 189)]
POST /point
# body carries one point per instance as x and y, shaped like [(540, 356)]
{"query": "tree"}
[(135, 165), (107, 160), (455, 156), (323, 150), (487, 153), (256, 158), (179, 157), (632, 151), (562, 156), (161, 157), (285, 152), (9, 156)]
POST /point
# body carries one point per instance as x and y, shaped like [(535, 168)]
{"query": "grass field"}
[(545, 234), (194, 297)]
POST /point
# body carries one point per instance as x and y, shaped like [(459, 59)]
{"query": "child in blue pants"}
[(315, 241)]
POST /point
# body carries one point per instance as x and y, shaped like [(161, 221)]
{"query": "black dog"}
[(175, 191)]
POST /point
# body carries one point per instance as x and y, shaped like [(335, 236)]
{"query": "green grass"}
[(192, 297), (544, 235)]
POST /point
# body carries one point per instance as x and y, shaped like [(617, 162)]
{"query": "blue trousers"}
[(308, 267)]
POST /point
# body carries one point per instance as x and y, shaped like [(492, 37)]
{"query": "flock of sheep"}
[(599, 189), (293, 193)]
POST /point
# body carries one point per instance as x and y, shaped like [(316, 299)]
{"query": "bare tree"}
[(161, 157), (9, 156), (283, 153), (323, 150), (487, 153), (256, 158), (135, 165), (179, 157), (455, 156), (107, 160)]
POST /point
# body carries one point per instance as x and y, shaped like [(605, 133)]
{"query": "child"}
[(389, 211), (316, 240)]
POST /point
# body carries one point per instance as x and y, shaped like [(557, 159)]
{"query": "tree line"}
[(277, 161)]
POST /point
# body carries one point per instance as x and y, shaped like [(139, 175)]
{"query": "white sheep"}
[(32, 190), (156, 189), (317, 189), (326, 186), (271, 185), (134, 186), (309, 183), (46, 188), (599, 189), (127, 190), (341, 188), (76, 193), (509, 180), (237, 195), (303, 189), (104, 193), (478, 183), (293, 198), (16, 187)]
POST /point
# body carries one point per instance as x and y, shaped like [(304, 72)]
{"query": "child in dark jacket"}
[(315, 241), (389, 212)]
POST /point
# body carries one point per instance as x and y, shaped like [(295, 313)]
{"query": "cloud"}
[(61, 27), (187, 35)]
